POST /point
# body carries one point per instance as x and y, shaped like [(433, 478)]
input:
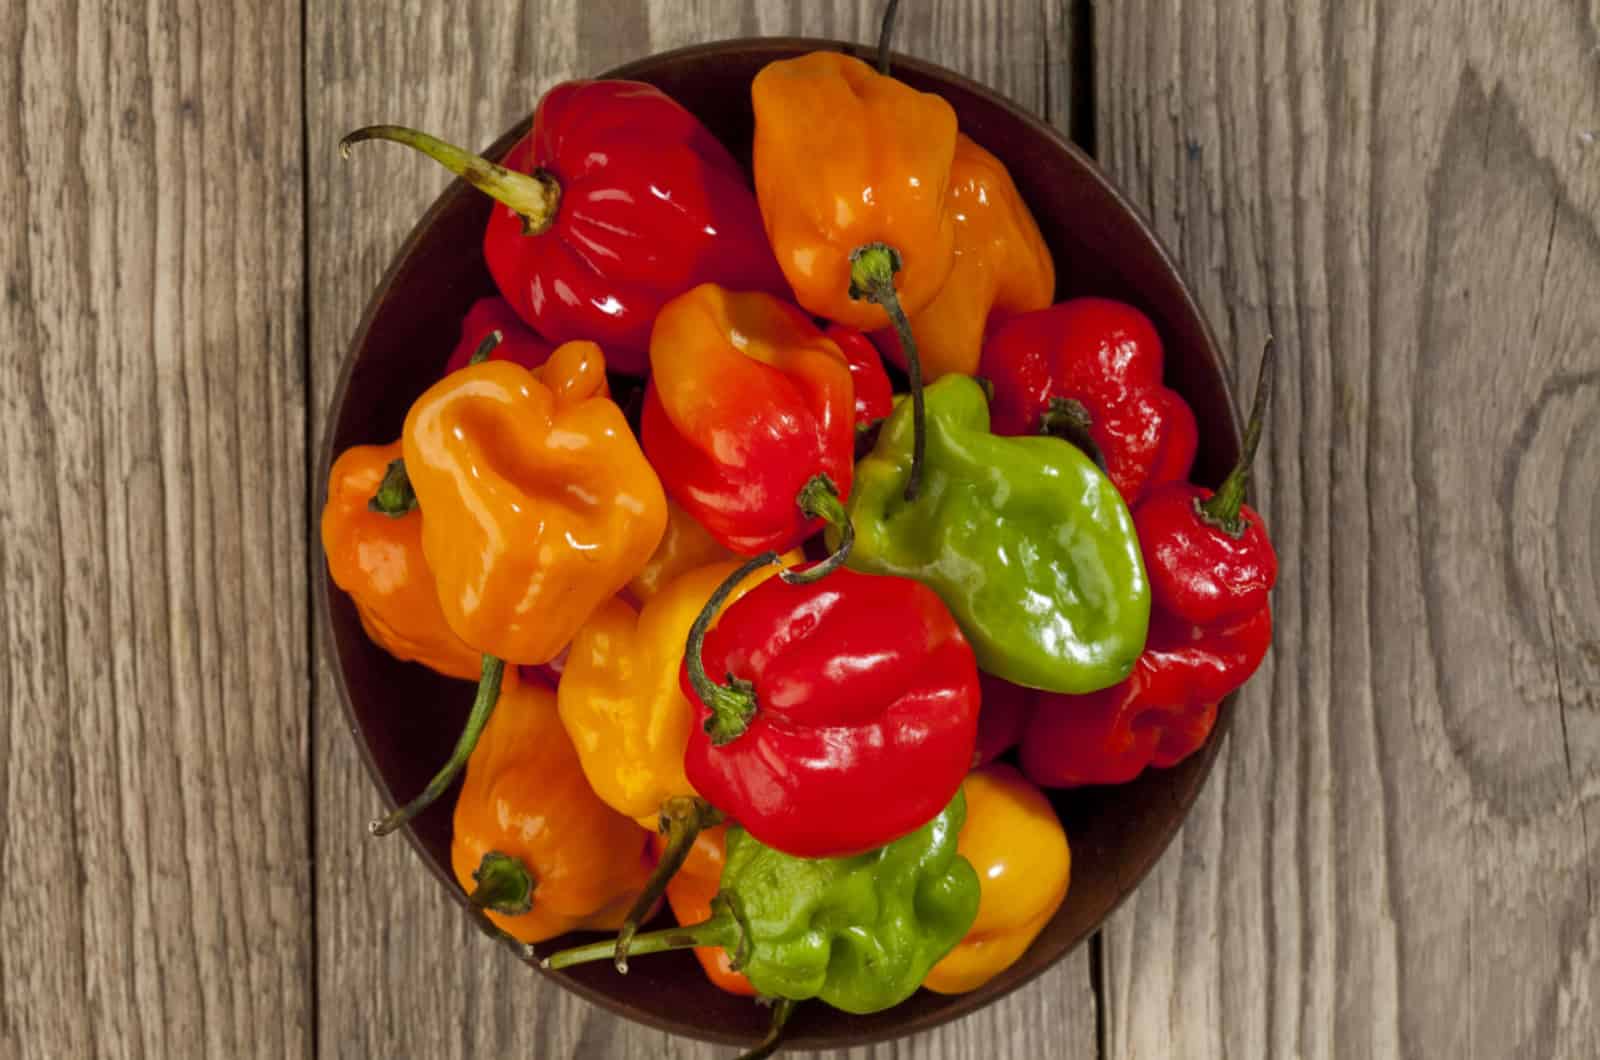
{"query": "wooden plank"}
[(399, 971), (154, 889), (1394, 857)]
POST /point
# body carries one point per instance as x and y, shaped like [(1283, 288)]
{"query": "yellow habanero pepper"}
[(685, 546), (1014, 840)]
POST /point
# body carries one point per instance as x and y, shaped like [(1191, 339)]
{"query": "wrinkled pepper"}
[(750, 416), (874, 394), (690, 895), (377, 559), (859, 933), (1212, 568), (839, 691), (852, 174), (517, 342), (1002, 268), (616, 201), (684, 546), (1013, 840), (533, 846), (1092, 366), (1024, 538)]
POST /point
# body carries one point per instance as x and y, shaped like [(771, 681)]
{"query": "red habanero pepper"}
[(1002, 717), (617, 200), (840, 691), (874, 395), (749, 418), (517, 341), (1092, 365), (1211, 568)]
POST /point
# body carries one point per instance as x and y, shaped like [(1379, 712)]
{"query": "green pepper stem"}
[(482, 706), (722, 929), (886, 35), (683, 818), (1221, 512), (734, 704), (819, 499), (395, 497), (534, 196), (872, 270), (1069, 420), (781, 1011), (486, 347), (504, 884)]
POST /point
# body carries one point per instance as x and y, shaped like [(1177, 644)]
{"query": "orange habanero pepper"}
[(377, 559), (1014, 840), (533, 846), (1002, 268), (690, 894)]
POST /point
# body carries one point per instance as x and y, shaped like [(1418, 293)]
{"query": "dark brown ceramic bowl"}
[(406, 718)]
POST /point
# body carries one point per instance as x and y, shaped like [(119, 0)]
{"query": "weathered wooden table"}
[(1393, 857)]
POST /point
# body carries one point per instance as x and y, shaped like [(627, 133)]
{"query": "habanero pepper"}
[(874, 394), (517, 342), (1014, 842), (1025, 540), (617, 200), (533, 847), (690, 895), (1092, 366), (1212, 568), (685, 546), (1002, 718), (1002, 268), (750, 416)]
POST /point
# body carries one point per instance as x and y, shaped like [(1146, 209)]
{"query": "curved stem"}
[(872, 270), (395, 497), (734, 704), (682, 820), (886, 35), (1222, 510), (819, 499), (534, 196), (482, 706), (721, 930), (782, 1009), (504, 884), (1067, 419), (486, 347)]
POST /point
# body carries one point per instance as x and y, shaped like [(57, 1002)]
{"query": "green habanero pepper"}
[(1025, 539), (860, 933)]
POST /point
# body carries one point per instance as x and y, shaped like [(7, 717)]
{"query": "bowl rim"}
[(960, 1005)]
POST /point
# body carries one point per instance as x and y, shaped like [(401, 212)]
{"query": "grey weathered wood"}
[(1394, 858), (399, 970), (154, 880)]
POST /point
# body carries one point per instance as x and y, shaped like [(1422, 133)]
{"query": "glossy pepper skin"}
[(859, 685), (1002, 719), (874, 394), (845, 157), (1001, 268), (378, 560), (690, 895), (538, 504), (1107, 357), (616, 201), (859, 933), (619, 695), (517, 344), (1015, 844), (684, 546), (1024, 538), (526, 798), (747, 402)]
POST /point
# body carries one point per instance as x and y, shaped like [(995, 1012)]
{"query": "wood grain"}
[(400, 972), (154, 884), (1395, 858)]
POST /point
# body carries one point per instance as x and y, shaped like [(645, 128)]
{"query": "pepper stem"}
[(722, 929), (482, 706), (683, 818), (734, 704), (395, 497), (534, 196), (485, 348), (1221, 512), (781, 1011), (1067, 419), (886, 35), (872, 269), (504, 884), (819, 499)]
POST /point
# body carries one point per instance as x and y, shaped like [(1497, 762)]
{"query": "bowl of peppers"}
[(786, 552)]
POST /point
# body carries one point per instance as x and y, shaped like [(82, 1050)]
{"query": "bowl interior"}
[(406, 718)]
